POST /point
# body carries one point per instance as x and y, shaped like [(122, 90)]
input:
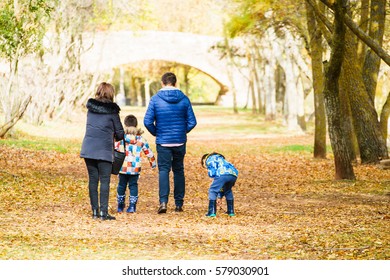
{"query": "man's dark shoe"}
[(163, 208), (179, 209)]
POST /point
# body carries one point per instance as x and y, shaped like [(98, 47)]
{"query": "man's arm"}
[(191, 119), (149, 119)]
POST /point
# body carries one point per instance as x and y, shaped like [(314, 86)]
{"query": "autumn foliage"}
[(288, 206)]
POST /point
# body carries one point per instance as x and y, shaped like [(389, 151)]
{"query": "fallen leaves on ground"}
[(287, 207)]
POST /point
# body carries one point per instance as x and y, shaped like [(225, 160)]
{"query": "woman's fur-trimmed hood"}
[(133, 130), (100, 107)]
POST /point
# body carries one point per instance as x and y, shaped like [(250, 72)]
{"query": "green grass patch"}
[(43, 144), (293, 149)]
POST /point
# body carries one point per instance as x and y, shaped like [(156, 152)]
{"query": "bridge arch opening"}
[(137, 81)]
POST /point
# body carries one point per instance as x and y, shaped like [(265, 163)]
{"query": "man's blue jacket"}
[(169, 116)]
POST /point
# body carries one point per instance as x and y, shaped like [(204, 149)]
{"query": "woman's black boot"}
[(95, 213), (105, 216)]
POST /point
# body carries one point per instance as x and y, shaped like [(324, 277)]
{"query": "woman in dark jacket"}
[(103, 126)]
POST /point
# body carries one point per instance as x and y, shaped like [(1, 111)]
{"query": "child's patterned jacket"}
[(135, 145), (217, 166)]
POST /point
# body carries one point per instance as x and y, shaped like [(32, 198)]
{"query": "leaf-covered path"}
[(288, 207)]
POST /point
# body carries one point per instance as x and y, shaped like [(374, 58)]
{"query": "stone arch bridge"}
[(111, 49)]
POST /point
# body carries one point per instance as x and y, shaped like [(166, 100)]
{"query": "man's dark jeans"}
[(171, 158), (99, 170)]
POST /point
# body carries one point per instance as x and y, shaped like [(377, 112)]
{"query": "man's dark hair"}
[(169, 79), (131, 120)]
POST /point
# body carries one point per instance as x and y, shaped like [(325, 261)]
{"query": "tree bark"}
[(290, 101), (15, 117), (230, 75), (270, 52), (343, 165), (372, 60), (256, 60), (362, 35), (138, 90), (133, 90), (252, 69), (148, 81), (345, 91), (372, 146), (316, 51), (385, 117), (300, 100), (14, 101), (363, 24)]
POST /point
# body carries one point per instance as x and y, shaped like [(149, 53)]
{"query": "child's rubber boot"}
[(230, 207), (133, 204), (121, 202), (212, 209)]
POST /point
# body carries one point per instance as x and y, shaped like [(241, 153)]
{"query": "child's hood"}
[(133, 130), (131, 134)]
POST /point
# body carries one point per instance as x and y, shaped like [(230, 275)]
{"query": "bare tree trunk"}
[(322, 22), (290, 101), (256, 62), (186, 70), (89, 92), (345, 88), (16, 116), (121, 80), (14, 101), (271, 52), (385, 117), (343, 165), (372, 60), (138, 90), (133, 91), (300, 102), (316, 51), (372, 146), (252, 69), (363, 24), (270, 90), (147, 90), (230, 75)]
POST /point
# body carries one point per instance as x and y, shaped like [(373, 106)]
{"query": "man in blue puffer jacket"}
[(169, 118)]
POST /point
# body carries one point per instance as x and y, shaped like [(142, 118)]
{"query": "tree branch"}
[(7, 126), (324, 21), (362, 35)]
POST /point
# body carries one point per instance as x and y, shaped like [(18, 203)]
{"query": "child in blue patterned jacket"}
[(225, 175), (131, 168)]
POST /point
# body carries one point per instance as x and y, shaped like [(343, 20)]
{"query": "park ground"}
[(288, 205)]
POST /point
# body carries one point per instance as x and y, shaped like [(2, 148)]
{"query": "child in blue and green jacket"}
[(131, 168), (225, 175)]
